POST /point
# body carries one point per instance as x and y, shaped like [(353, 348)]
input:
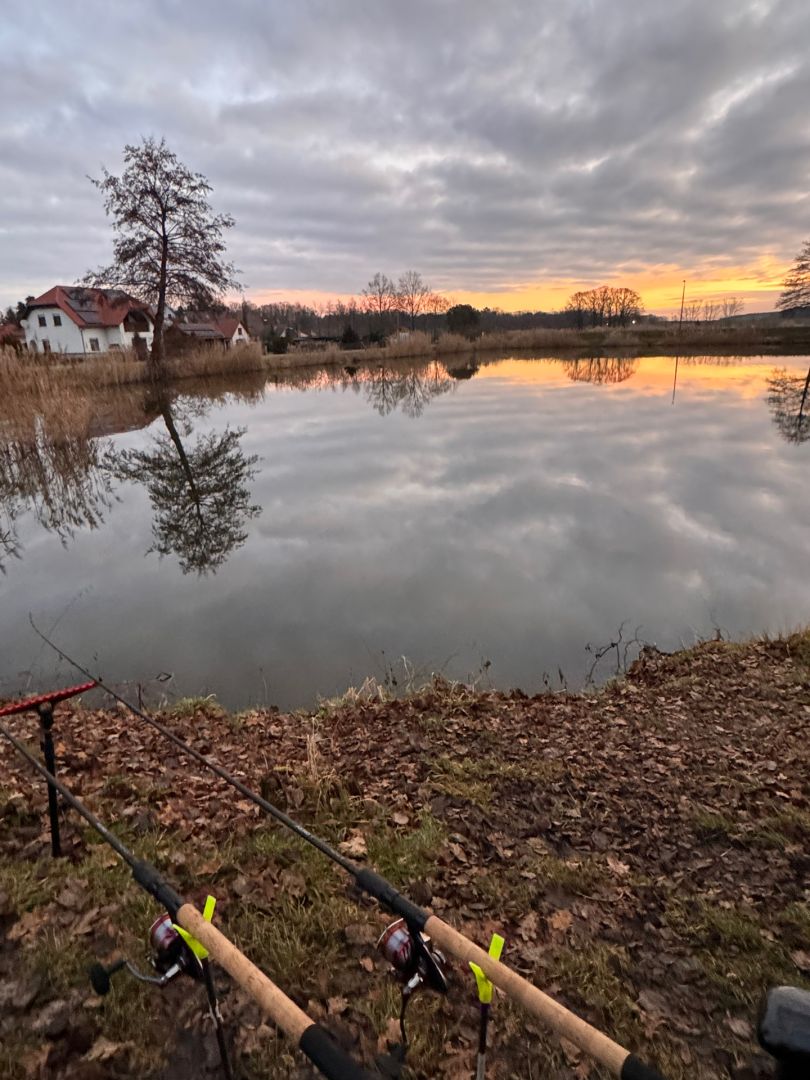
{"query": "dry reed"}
[(44, 378)]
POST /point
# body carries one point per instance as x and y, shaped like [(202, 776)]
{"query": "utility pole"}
[(683, 297)]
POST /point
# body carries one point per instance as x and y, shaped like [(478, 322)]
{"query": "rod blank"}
[(315, 1042), (550, 1012)]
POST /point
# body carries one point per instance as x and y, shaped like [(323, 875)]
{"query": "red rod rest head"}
[(32, 704)]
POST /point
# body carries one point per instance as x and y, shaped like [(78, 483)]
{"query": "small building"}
[(232, 330), (225, 331), (181, 337), (79, 321)]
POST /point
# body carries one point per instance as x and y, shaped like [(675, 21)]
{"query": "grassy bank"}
[(23, 376), (644, 849)]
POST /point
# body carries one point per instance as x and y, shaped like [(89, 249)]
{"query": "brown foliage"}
[(642, 849)]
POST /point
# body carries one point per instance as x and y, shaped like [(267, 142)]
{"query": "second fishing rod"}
[(420, 922)]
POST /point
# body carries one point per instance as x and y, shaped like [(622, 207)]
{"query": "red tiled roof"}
[(90, 307), (227, 324)]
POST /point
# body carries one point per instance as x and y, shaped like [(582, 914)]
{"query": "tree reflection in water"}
[(58, 477), (200, 494), (600, 369), (410, 389), (789, 401), (463, 370)]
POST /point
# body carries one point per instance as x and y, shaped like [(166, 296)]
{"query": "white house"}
[(80, 321), (232, 330)]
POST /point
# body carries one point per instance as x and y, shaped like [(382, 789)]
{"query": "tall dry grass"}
[(48, 378)]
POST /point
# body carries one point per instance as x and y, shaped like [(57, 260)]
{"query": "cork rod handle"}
[(284, 1012), (588, 1038), (308, 1036)]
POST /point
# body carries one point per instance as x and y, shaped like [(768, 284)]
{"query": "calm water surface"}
[(274, 543)]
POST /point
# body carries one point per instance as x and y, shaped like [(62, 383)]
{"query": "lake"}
[(276, 542)]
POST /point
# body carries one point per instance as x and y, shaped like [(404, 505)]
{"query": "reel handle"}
[(100, 976)]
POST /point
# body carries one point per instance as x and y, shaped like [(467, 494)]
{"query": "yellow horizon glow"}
[(758, 285), (652, 375)]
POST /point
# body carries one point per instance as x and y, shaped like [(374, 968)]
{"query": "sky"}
[(511, 153)]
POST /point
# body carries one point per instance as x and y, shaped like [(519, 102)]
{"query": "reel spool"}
[(413, 962), (171, 957)]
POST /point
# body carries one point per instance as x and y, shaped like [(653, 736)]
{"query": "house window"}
[(46, 345), (94, 346), (57, 320), (43, 321)]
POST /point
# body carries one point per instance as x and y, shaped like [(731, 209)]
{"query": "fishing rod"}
[(416, 958), (203, 938)]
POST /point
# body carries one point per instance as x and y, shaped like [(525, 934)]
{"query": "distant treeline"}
[(343, 318)]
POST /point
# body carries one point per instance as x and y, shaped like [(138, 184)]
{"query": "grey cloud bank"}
[(489, 147)]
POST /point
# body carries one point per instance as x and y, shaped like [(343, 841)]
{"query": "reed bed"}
[(51, 378)]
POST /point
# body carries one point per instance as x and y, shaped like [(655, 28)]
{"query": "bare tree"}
[(412, 295), (168, 242), (731, 306), (380, 298), (615, 306), (711, 309), (692, 310), (625, 304), (796, 286), (577, 307), (436, 304)]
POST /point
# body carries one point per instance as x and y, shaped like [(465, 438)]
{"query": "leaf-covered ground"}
[(645, 850)]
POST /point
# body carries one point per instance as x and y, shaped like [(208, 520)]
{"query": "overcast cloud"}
[(489, 146)]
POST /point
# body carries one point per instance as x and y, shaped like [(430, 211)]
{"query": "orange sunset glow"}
[(758, 285), (650, 376)]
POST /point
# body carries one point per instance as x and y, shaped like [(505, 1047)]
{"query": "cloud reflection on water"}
[(515, 515)]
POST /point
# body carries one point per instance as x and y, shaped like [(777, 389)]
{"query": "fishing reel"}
[(414, 963), (171, 957)]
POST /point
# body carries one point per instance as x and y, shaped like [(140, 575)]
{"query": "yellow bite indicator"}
[(484, 985)]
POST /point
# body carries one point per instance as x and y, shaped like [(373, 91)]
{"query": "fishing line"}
[(423, 927), (203, 938)]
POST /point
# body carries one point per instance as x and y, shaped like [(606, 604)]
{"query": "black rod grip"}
[(327, 1056), (376, 886), (635, 1069)]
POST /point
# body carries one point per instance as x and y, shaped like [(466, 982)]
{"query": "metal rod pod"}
[(45, 711)]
